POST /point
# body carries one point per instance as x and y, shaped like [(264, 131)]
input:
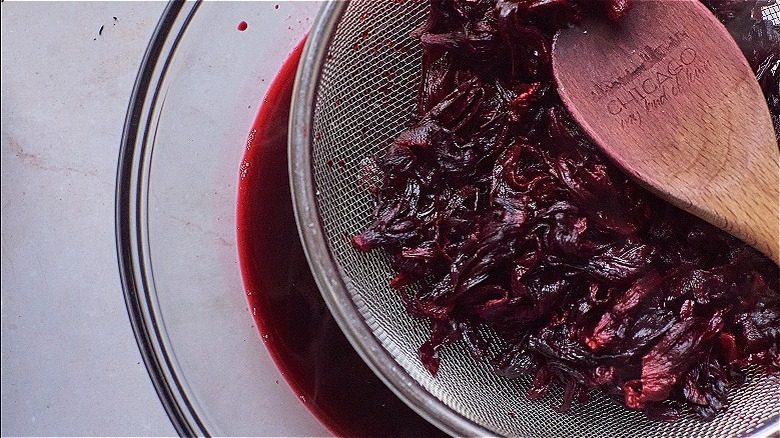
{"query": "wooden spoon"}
[(668, 95)]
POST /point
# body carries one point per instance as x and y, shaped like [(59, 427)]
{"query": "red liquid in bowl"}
[(299, 331)]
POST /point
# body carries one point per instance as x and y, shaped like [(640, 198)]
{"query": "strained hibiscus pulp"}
[(504, 215)]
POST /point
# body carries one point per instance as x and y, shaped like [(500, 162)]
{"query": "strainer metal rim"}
[(326, 270)]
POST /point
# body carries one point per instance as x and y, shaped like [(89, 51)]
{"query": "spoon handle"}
[(755, 220)]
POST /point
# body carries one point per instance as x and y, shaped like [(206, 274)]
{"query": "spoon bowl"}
[(667, 94)]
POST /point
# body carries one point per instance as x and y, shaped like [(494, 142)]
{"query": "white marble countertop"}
[(70, 364)]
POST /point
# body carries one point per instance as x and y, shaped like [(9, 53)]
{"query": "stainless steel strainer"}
[(355, 90)]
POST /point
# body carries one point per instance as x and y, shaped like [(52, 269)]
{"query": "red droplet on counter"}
[(242, 26)]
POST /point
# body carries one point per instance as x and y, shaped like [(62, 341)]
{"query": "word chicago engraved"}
[(659, 75)]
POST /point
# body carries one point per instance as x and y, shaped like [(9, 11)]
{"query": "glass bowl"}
[(195, 97), (203, 77)]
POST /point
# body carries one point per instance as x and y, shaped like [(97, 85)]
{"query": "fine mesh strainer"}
[(355, 90)]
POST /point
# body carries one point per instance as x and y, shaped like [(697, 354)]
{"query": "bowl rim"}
[(131, 220)]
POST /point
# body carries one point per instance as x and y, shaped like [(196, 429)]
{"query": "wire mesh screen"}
[(772, 13), (366, 95)]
